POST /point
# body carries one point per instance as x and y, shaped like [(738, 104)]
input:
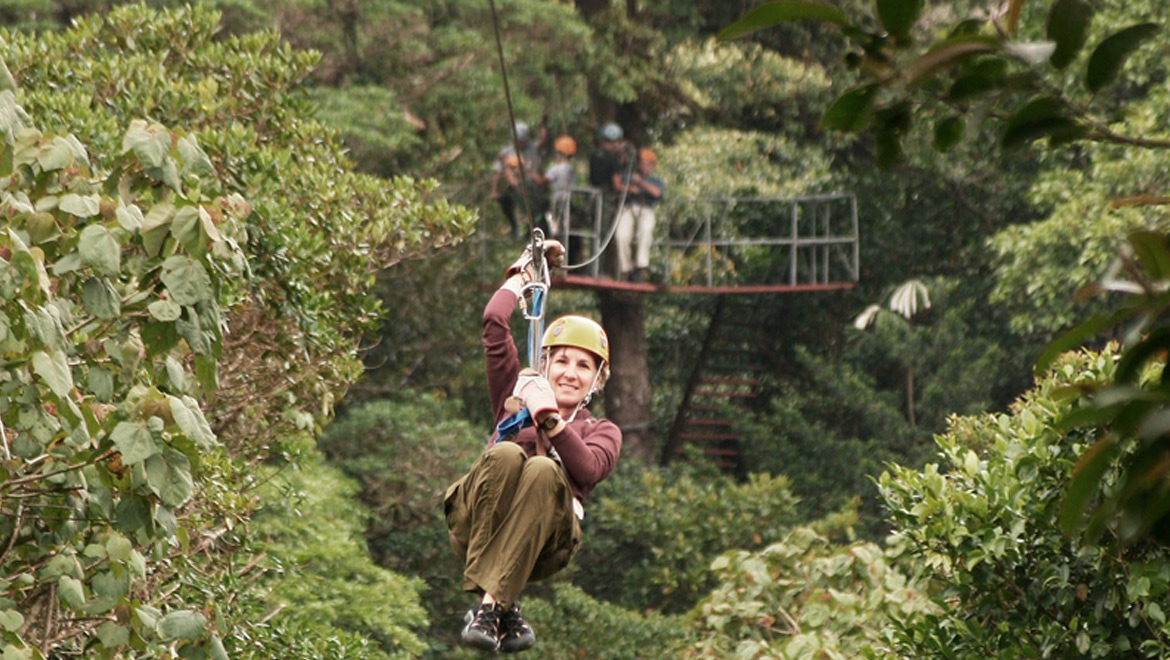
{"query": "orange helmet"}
[(565, 145), (647, 155), (512, 160)]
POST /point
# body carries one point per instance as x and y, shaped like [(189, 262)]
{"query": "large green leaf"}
[(156, 226), (54, 368), (187, 228), (71, 591), (1085, 482), (1155, 345), (100, 299), (852, 111), (135, 441), (1068, 27), (129, 217), (1110, 55), (194, 159), (150, 142), (1152, 249), (186, 280), (82, 206), (11, 620), (899, 16), (190, 328), (189, 417), (1044, 116), (182, 624), (946, 53), (59, 155), (169, 476), (100, 249), (165, 310), (771, 13), (112, 635)]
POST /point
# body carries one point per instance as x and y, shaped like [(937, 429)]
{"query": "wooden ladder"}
[(723, 383)]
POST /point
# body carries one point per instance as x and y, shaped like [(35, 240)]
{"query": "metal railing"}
[(725, 241), (794, 241)]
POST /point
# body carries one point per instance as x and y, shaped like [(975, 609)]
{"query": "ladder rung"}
[(730, 380), (691, 435), (725, 395), (708, 421)]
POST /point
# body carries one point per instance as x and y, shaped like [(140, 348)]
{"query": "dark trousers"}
[(511, 520)]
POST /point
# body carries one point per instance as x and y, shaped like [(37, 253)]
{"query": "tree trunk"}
[(627, 395)]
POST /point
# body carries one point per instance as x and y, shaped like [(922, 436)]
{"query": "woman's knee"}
[(504, 455), (542, 471)]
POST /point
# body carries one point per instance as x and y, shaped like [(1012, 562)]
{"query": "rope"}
[(613, 228), (512, 119)]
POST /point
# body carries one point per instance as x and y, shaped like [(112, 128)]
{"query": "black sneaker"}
[(483, 626), (515, 633)]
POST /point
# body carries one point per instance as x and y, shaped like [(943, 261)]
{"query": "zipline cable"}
[(536, 241), (512, 122), (538, 288)]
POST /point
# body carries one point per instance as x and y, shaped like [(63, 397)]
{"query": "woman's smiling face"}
[(571, 372)]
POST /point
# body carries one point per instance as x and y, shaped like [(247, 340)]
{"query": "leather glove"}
[(554, 253), (535, 393)]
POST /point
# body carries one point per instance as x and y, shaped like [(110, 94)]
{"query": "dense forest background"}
[(248, 245)]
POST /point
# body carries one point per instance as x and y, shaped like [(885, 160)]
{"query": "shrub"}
[(806, 598), (571, 624), (319, 578), (650, 536), (983, 524), (404, 453)]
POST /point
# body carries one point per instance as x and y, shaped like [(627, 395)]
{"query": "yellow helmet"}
[(579, 332)]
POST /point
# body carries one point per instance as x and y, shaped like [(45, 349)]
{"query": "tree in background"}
[(1064, 75)]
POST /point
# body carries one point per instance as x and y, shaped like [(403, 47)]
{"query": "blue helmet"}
[(611, 131)]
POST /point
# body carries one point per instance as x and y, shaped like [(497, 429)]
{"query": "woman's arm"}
[(499, 351)]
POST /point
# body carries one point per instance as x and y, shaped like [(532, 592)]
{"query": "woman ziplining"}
[(515, 516)]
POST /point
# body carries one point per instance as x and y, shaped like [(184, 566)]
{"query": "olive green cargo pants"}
[(511, 520)]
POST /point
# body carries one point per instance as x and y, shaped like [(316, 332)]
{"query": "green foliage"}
[(112, 288), (124, 261), (805, 597), (650, 536), (1127, 413), (984, 527), (739, 163), (320, 580), (1040, 266), (404, 453), (878, 400), (317, 231), (830, 436), (913, 64), (750, 86), (571, 624)]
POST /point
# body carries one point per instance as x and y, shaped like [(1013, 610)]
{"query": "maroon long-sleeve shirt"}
[(588, 446)]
